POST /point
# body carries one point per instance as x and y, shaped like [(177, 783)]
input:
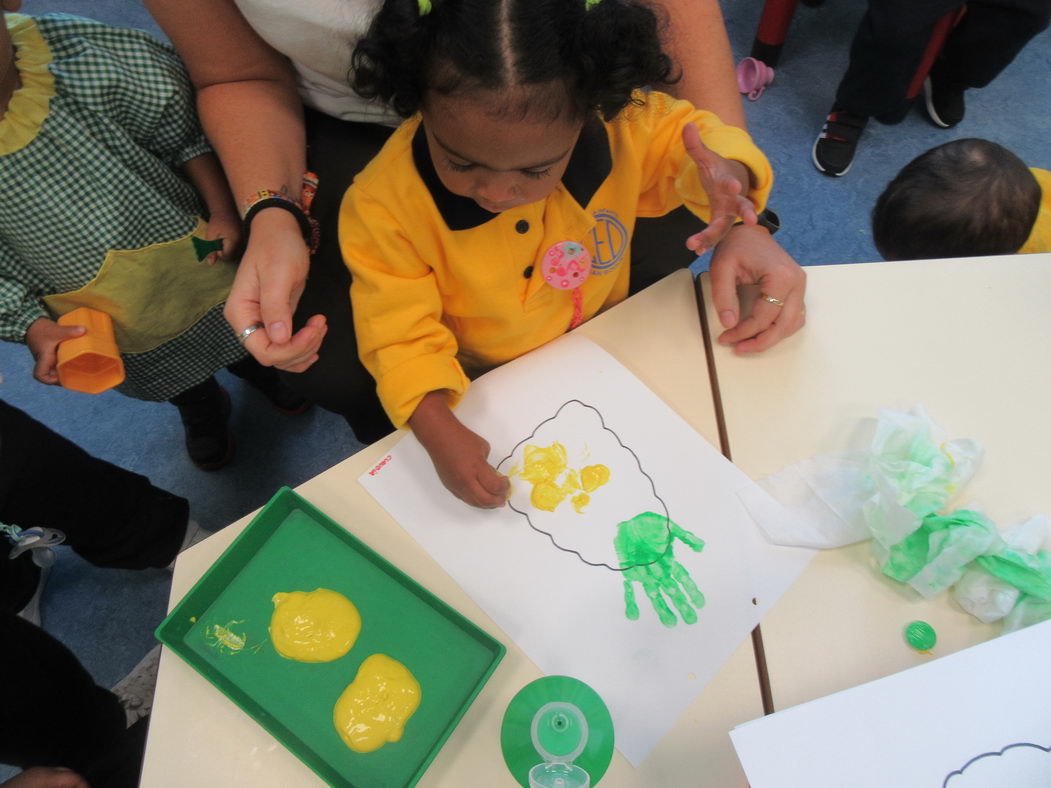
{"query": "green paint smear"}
[(954, 540), (1030, 574), (644, 547)]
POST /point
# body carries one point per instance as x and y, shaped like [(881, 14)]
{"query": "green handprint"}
[(644, 547)]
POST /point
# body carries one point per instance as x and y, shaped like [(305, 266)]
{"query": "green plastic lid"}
[(920, 635), (557, 719)]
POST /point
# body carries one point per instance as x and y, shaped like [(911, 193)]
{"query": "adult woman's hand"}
[(252, 114), (750, 256), (269, 282)]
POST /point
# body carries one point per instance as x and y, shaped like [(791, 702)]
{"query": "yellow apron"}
[(153, 294)]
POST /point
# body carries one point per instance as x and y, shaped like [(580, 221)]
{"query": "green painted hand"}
[(644, 547)]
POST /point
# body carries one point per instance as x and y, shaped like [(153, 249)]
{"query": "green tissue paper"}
[(934, 556)]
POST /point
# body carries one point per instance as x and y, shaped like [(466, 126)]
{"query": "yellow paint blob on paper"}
[(374, 708), (546, 496), (547, 468), (544, 464), (593, 476), (314, 626)]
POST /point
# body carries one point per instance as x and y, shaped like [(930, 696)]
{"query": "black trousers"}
[(111, 517), (53, 714), (337, 150), (51, 711), (890, 41)]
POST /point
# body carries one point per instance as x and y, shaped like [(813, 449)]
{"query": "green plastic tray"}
[(291, 546)]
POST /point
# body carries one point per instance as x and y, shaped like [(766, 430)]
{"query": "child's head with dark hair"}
[(505, 86), (966, 198)]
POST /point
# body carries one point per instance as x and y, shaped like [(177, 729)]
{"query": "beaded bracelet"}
[(265, 198)]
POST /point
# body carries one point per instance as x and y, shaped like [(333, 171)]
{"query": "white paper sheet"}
[(552, 580), (978, 718)]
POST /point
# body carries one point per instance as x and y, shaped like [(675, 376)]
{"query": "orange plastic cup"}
[(90, 363)]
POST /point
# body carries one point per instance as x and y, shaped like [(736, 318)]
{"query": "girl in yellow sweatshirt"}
[(500, 214)]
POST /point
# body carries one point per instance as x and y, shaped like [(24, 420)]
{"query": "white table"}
[(199, 738), (971, 340)]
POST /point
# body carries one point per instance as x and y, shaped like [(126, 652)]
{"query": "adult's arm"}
[(252, 115), (696, 41)]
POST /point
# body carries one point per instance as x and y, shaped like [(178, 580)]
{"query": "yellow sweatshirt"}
[(1040, 238), (440, 284)]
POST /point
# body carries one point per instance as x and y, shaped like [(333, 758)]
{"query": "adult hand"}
[(266, 290), (750, 256), (460, 456), (726, 183), (46, 777), (42, 338)]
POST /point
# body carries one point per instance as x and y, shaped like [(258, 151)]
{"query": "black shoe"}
[(205, 420), (944, 101), (835, 146), (268, 382)]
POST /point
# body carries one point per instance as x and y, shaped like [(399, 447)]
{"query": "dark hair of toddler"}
[(966, 198), (548, 58)]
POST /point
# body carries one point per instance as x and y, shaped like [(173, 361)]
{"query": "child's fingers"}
[(46, 368), (711, 235), (478, 496), (481, 487), (46, 353), (494, 483), (701, 154)]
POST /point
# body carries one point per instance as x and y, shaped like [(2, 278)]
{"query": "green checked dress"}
[(94, 212)]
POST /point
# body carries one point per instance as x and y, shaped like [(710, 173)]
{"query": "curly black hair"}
[(538, 55), (966, 198)]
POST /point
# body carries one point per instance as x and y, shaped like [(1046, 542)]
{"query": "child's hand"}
[(42, 338), (225, 225), (725, 182), (460, 456)]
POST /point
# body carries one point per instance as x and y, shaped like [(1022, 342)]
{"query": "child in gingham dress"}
[(106, 174)]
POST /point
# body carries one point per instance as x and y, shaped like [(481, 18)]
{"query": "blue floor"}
[(107, 617)]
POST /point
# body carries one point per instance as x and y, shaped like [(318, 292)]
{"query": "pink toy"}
[(565, 267), (753, 76)]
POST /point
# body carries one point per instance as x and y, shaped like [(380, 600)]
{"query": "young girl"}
[(529, 147), (106, 172)]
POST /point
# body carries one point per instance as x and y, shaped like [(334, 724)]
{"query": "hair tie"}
[(425, 6)]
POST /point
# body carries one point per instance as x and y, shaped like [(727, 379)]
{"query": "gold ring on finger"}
[(771, 300)]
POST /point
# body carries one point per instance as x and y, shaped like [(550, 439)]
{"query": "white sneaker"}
[(135, 691)]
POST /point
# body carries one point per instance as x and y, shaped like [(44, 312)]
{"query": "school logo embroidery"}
[(610, 239)]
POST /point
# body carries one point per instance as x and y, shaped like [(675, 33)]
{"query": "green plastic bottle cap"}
[(564, 718), (920, 635)]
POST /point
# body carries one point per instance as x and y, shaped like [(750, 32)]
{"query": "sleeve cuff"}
[(401, 389), (14, 326), (198, 147)]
